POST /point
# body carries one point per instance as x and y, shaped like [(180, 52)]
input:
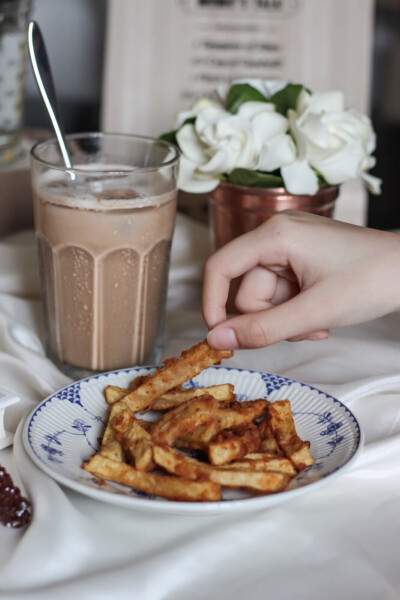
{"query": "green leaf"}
[(239, 93), (169, 137), (189, 120), (251, 178), (287, 97), (321, 178)]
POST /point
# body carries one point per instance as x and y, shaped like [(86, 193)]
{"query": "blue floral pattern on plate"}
[(64, 431)]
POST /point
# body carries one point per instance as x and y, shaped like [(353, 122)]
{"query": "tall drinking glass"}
[(104, 234)]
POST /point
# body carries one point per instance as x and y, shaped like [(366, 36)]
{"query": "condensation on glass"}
[(104, 241)]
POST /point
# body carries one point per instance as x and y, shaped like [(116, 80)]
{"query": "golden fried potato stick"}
[(142, 453), (282, 425), (175, 372), (190, 468), (279, 464), (223, 392), (113, 393), (262, 455), (268, 440), (184, 419), (240, 415), (134, 438), (232, 446), (110, 446), (145, 424), (201, 437), (172, 488)]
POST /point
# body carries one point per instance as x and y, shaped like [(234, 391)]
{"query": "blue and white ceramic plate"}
[(64, 431)]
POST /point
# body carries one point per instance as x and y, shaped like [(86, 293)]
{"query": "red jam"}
[(15, 510)]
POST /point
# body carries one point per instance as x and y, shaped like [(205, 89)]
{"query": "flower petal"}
[(190, 144), (299, 136), (248, 110), (303, 101), (267, 125), (209, 116), (189, 182), (194, 111), (326, 102), (373, 183), (278, 152), (340, 165), (223, 161), (299, 178)]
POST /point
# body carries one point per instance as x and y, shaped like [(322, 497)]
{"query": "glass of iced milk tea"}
[(104, 234)]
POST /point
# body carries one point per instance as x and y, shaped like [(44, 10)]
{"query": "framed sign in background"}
[(162, 55)]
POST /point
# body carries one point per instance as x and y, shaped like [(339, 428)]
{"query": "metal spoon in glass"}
[(44, 79)]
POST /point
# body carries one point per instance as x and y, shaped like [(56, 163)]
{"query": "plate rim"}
[(190, 508)]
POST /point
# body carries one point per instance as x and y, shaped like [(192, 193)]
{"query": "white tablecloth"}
[(339, 542)]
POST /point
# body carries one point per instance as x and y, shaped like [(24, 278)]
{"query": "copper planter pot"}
[(235, 209)]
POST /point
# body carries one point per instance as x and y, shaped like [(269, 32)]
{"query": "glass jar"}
[(13, 26)]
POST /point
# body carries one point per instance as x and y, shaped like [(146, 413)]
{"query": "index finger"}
[(236, 258)]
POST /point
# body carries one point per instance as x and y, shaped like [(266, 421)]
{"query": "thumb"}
[(297, 318)]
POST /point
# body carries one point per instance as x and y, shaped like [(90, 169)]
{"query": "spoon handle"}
[(42, 72)]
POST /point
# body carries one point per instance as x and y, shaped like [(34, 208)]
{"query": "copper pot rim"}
[(269, 212), (274, 191)]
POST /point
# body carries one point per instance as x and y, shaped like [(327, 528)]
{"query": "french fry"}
[(279, 465), (145, 424), (175, 372), (243, 414), (282, 425), (110, 446), (173, 488), (268, 440), (190, 468), (262, 455), (236, 446), (134, 438), (114, 393), (142, 453), (201, 437), (223, 393), (113, 450), (252, 445), (184, 419)]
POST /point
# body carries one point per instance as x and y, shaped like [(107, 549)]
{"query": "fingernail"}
[(223, 338)]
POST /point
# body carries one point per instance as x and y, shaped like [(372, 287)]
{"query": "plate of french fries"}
[(192, 436)]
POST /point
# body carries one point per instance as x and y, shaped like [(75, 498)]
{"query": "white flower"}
[(335, 142), (219, 142), (194, 111)]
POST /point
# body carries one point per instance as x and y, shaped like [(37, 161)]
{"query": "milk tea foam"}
[(104, 255)]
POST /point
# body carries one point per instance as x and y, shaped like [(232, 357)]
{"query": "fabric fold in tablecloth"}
[(338, 542)]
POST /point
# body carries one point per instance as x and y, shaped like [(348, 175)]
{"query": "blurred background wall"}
[(74, 31), (93, 55), (384, 211)]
